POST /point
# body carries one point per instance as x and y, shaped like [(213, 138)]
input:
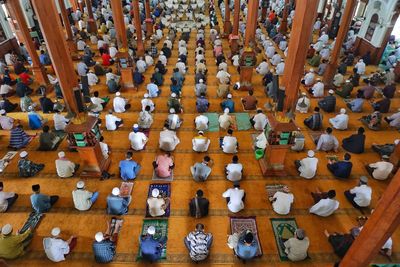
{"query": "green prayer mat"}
[(161, 226), (213, 124), (242, 121), (284, 229)]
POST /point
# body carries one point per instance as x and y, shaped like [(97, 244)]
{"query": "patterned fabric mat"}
[(125, 189), (273, 188), (284, 229), (165, 191), (240, 224), (32, 221), (161, 226), (213, 124), (243, 121)]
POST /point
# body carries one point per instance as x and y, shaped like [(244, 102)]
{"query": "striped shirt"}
[(199, 244)]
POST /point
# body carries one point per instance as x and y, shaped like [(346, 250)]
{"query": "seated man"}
[(259, 121), (117, 205), (296, 247), (360, 196), (138, 139), (340, 121), (228, 104), (35, 121), (380, 170), (309, 78), (366, 92), (317, 90), (60, 121), (327, 141), (225, 120), (113, 122), (307, 166), (355, 143), (13, 246), (120, 104), (55, 248), (198, 243), (175, 103), (356, 105), (168, 139), (394, 120), (386, 149), (341, 169), (26, 167), (198, 206), (346, 90), (48, 140), (173, 120), (314, 122), (40, 202), (325, 203), (342, 242), (150, 247), (247, 246), (145, 119), (229, 143), (282, 201), (249, 102), (235, 198), (201, 122), (200, 88), (202, 104), (303, 103), (200, 142), (163, 165), (83, 199), (234, 170), (201, 170), (152, 89), (7, 199), (382, 105), (328, 104), (157, 203), (104, 247), (65, 168), (128, 168), (46, 104)]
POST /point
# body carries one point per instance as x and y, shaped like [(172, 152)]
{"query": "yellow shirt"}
[(11, 246)]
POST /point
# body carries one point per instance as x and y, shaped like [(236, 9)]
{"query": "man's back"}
[(104, 251), (200, 209)]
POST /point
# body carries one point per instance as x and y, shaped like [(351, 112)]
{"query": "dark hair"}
[(129, 154), (230, 131), (35, 187), (248, 238), (331, 193), (251, 92), (347, 156), (147, 108), (235, 158), (1, 184), (46, 129), (361, 130), (101, 138), (96, 93), (207, 158), (199, 193), (199, 226), (316, 109), (329, 130)]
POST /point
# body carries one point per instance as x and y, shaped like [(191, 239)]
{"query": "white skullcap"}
[(311, 70), (161, 53), (23, 154), (201, 81), (229, 96), (303, 93), (172, 110), (155, 192), (173, 95), (136, 126), (117, 93), (55, 231), (310, 153), (397, 141), (226, 110), (80, 184), (99, 236), (6, 229), (115, 191), (2, 112), (146, 95), (151, 230), (331, 92), (200, 132), (343, 111), (61, 154), (347, 81)]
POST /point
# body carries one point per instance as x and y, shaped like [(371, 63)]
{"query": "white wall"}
[(67, 5)]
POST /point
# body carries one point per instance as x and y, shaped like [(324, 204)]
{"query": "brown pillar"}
[(15, 10), (343, 29), (227, 22), (284, 22), (234, 37), (91, 22), (74, 5), (81, 5), (251, 23), (70, 37), (62, 62), (298, 45), (138, 27), (379, 227), (148, 20), (118, 17)]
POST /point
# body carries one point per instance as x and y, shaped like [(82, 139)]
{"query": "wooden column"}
[(70, 36), (50, 25), (298, 45), (119, 23), (15, 10), (91, 22), (138, 27), (227, 22), (148, 20), (74, 5), (234, 37), (81, 5), (343, 29), (284, 22), (379, 227), (251, 23)]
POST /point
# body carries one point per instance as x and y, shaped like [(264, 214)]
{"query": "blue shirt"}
[(44, 59), (137, 77), (228, 104), (104, 251), (152, 89), (356, 105), (202, 104), (246, 252), (342, 169), (40, 202), (117, 205), (128, 169), (34, 121), (151, 249)]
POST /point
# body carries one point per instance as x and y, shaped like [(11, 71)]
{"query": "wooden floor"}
[(84, 225)]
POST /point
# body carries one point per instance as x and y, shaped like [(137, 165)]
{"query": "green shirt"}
[(11, 246)]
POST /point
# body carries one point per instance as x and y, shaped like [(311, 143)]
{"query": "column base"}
[(149, 29), (227, 29), (92, 26), (40, 75), (234, 45), (127, 78), (140, 49), (246, 74), (283, 27)]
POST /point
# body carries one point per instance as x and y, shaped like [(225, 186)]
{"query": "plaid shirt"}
[(104, 251)]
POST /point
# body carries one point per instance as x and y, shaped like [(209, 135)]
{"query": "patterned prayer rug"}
[(165, 192), (243, 121), (273, 188), (161, 226), (125, 189), (284, 229), (32, 221), (213, 124), (240, 224)]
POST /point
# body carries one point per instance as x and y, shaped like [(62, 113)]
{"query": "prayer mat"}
[(240, 224), (161, 226), (61, 135), (32, 221), (125, 189), (146, 132), (165, 192), (284, 229), (243, 121), (6, 160), (332, 157), (115, 228), (167, 179), (213, 124), (273, 188)]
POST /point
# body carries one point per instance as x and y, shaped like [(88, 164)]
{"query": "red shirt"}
[(106, 59), (25, 78)]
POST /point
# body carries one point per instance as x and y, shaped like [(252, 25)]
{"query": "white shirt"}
[(363, 195), (104, 149), (318, 89), (141, 65), (270, 51), (308, 167), (306, 101), (224, 121), (119, 104), (147, 102), (138, 140), (110, 122), (360, 66), (80, 45), (282, 203), (235, 60), (229, 144), (262, 68), (60, 122), (65, 168), (325, 207), (200, 144), (201, 122), (235, 202), (56, 249), (280, 68), (340, 122), (168, 140), (98, 102), (81, 199), (283, 45), (3, 200), (327, 142), (92, 79), (155, 206), (309, 78), (234, 171), (276, 59), (6, 122), (260, 121), (5, 89), (382, 169), (181, 66), (324, 38), (163, 59), (113, 51), (149, 60)]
